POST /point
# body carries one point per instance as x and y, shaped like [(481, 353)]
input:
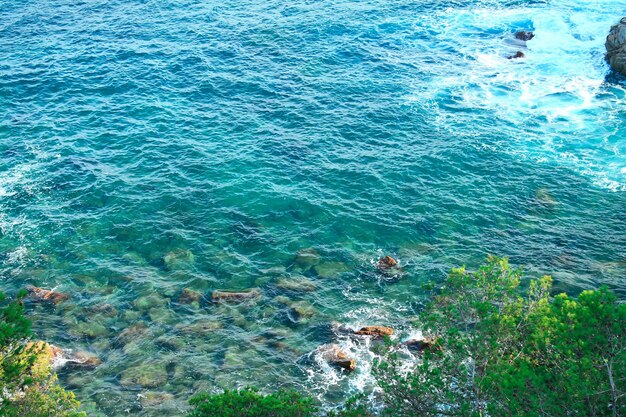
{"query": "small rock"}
[(178, 259), (523, 35), (336, 357), (134, 332), (189, 296), (518, 54), (387, 263), (105, 309), (235, 296), (150, 301), (91, 329), (84, 359), (616, 47), (40, 294), (330, 270), (421, 345), (151, 399), (200, 327), (306, 258), (298, 284), (376, 331), (147, 375)]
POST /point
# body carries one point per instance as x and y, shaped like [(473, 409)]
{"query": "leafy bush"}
[(29, 388), (249, 403), (498, 353)]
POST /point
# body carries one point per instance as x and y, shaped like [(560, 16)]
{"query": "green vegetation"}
[(249, 403), (490, 348), (28, 387), (497, 352)]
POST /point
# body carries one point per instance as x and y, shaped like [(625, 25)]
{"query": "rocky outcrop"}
[(189, 296), (421, 345), (40, 294), (518, 54), (616, 47), (376, 331), (523, 35), (49, 355), (336, 357)]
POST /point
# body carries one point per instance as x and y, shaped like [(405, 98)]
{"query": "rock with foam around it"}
[(335, 356), (616, 47), (376, 331)]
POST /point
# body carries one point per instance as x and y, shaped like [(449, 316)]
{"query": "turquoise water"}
[(151, 146)]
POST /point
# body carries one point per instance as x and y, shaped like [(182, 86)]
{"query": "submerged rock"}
[(177, 259), (236, 296), (335, 356), (150, 301), (150, 399), (147, 375), (189, 296), (40, 294), (298, 284), (104, 309), (132, 333), (84, 359), (616, 47), (330, 270), (523, 35), (306, 258), (376, 331)]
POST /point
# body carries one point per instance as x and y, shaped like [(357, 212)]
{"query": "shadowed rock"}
[(376, 331), (523, 35), (518, 54), (616, 47), (189, 296), (421, 345)]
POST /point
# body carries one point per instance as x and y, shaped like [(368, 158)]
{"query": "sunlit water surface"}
[(151, 146)]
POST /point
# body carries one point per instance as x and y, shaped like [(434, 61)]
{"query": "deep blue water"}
[(151, 146)]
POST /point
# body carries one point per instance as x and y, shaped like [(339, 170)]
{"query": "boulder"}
[(523, 35), (151, 399), (235, 296), (336, 357), (376, 331), (40, 294), (616, 47), (297, 284), (178, 259), (147, 375), (306, 258), (132, 333)]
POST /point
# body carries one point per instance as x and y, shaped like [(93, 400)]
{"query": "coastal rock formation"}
[(616, 47), (49, 355), (235, 296), (523, 35), (40, 294), (189, 296), (376, 331), (336, 357)]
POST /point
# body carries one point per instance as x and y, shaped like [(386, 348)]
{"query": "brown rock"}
[(421, 345), (40, 294), (136, 331), (105, 309), (336, 357), (189, 296), (376, 331), (84, 359), (387, 263), (235, 296)]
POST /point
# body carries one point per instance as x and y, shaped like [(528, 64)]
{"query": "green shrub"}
[(249, 403), (501, 353), (29, 388)]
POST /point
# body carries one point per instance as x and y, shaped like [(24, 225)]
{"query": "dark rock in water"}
[(40, 294), (523, 35), (83, 359), (235, 296), (105, 309), (518, 54), (336, 357), (421, 345), (616, 47), (376, 331), (189, 296), (134, 332)]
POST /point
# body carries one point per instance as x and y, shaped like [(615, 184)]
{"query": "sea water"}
[(151, 146)]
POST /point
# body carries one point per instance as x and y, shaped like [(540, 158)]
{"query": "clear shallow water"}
[(242, 132)]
